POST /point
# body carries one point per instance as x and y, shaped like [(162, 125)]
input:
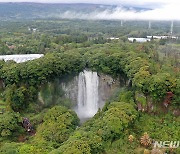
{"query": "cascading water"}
[(87, 92), (88, 96)]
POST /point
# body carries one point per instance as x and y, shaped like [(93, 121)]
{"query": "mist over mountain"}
[(39, 10)]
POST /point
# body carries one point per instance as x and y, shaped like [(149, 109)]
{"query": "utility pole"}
[(121, 23), (172, 26), (149, 25)]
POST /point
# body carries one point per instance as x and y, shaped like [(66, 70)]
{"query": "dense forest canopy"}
[(144, 111)]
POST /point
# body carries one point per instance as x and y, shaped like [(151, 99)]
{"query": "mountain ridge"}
[(30, 10)]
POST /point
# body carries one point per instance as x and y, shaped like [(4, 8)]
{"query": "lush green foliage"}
[(10, 148), (110, 59), (107, 126), (58, 124), (149, 69), (138, 67), (42, 70), (9, 124), (159, 127), (19, 98)]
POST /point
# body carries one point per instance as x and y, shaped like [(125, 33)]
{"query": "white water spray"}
[(88, 97)]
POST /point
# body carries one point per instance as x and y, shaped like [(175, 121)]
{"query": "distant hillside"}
[(39, 10)]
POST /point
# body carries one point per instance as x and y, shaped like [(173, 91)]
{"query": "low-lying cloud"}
[(169, 12)]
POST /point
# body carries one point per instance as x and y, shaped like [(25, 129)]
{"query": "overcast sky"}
[(161, 9)]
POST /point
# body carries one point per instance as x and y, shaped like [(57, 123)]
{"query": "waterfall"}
[(88, 97)]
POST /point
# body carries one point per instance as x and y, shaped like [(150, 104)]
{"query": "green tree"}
[(9, 124), (58, 124)]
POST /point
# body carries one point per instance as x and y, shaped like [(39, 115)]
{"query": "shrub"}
[(10, 148), (9, 124), (59, 123)]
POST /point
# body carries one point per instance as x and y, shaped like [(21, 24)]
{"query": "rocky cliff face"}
[(107, 87), (68, 89)]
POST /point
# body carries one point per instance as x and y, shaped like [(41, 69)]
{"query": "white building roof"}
[(141, 40), (162, 37), (21, 58)]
